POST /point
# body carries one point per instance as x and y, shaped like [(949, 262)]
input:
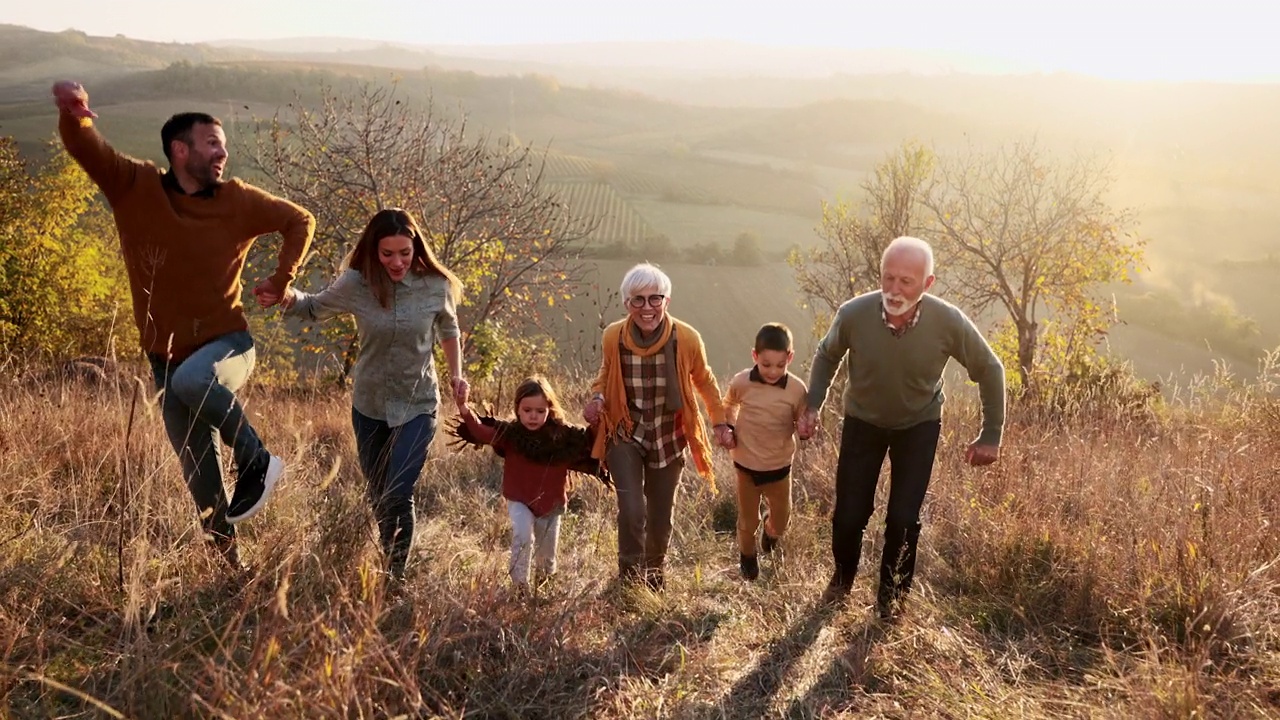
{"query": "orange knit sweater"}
[(696, 379), (184, 254)]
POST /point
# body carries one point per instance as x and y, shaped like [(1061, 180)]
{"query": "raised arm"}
[(478, 431), (113, 172)]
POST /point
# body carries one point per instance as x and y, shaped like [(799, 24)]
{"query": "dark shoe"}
[(230, 553), (749, 566), (254, 487), (653, 577), (888, 606), (837, 590), (629, 575)]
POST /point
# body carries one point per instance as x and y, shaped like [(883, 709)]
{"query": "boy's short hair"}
[(774, 336)]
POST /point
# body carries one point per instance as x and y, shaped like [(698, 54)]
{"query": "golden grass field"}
[(1112, 565)]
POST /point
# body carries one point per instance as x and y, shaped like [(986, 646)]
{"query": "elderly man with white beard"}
[(895, 343)]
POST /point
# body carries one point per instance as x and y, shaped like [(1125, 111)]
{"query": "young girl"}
[(538, 450)]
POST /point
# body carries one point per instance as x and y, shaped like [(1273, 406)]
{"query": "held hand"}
[(592, 411), (979, 455), (729, 441), (464, 410), (461, 390), (807, 425), (71, 97), (267, 294)]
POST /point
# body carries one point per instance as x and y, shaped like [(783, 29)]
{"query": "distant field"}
[(747, 185), (618, 220), (688, 224)]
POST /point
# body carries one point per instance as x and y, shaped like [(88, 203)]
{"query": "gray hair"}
[(906, 242), (644, 276)]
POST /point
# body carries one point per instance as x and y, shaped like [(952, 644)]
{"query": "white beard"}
[(906, 306)]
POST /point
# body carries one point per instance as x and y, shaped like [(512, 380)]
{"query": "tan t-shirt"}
[(764, 419)]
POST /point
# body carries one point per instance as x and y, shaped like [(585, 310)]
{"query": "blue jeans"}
[(862, 450), (391, 459), (199, 408)]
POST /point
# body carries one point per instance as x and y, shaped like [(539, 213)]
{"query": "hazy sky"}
[(1139, 39)]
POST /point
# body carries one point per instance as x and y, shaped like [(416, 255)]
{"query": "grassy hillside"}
[(1109, 566)]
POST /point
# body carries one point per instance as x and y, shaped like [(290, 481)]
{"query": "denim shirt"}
[(395, 375)]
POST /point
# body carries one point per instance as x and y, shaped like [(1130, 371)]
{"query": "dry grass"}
[(1105, 568)]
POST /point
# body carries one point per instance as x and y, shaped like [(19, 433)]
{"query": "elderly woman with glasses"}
[(404, 301), (652, 371)]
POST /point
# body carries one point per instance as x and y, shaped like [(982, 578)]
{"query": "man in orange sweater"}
[(184, 235)]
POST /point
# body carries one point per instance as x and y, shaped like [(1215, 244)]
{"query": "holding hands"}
[(267, 295), (461, 392), (593, 410), (807, 425), (725, 437)]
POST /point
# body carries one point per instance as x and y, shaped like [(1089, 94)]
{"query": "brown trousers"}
[(646, 502), (777, 500)]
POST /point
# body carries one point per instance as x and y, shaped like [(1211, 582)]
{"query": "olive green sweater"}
[(896, 381)]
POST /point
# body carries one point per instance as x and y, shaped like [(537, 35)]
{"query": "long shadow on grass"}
[(501, 655), (850, 673), (752, 694)]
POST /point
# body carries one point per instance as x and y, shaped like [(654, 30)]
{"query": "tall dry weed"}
[(1104, 568)]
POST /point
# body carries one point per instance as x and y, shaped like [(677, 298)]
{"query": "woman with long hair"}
[(404, 301)]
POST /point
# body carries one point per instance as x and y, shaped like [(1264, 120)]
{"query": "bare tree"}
[(1033, 235), (487, 213), (847, 262)]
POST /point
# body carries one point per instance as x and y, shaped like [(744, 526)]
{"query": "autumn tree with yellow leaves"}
[(63, 290)]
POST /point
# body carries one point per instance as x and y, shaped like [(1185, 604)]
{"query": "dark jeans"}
[(391, 459), (646, 502), (200, 408), (862, 450)]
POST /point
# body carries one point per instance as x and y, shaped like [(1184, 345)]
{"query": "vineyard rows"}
[(618, 220), (562, 168)]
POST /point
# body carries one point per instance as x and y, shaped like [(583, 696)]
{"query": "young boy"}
[(762, 405)]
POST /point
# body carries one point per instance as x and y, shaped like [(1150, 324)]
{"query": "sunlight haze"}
[(1223, 41)]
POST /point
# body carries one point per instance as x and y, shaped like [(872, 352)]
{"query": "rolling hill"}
[(747, 154)]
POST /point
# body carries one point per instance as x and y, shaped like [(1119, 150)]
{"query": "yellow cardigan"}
[(695, 374)]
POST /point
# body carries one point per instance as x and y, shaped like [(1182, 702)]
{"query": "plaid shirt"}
[(654, 428), (899, 331)]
